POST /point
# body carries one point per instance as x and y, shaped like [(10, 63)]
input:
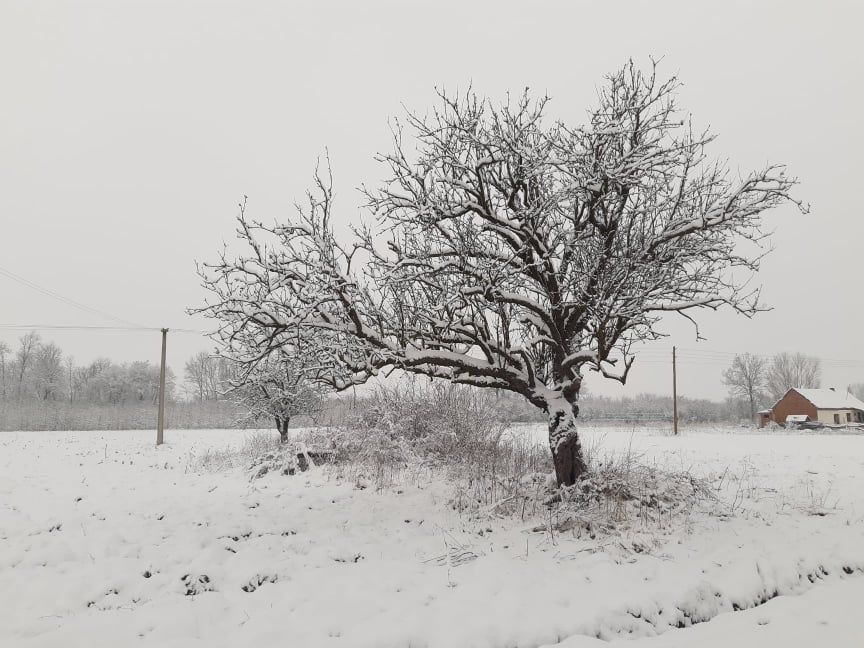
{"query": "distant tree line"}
[(35, 370), (43, 388), (36, 375)]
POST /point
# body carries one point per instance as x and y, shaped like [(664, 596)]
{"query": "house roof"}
[(830, 399), (797, 418)]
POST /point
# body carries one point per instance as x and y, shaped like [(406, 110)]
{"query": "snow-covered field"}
[(106, 540)]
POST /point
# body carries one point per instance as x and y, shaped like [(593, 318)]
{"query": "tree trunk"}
[(564, 442), (282, 426)]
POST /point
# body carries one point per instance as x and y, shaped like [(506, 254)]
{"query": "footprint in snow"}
[(196, 584)]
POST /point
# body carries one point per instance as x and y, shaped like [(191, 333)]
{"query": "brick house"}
[(826, 406)]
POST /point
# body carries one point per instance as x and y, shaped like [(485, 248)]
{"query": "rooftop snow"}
[(830, 399)]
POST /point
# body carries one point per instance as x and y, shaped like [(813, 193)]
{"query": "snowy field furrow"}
[(106, 540)]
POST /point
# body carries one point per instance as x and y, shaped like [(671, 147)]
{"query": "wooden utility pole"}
[(674, 396), (160, 425)]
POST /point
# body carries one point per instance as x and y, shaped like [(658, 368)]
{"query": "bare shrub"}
[(409, 430), (438, 420), (417, 430)]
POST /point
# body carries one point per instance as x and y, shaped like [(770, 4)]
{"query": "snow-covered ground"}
[(106, 540)]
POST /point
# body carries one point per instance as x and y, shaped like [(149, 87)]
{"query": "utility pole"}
[(674, 396), (160, 425)]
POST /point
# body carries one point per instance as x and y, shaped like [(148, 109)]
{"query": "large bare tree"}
[(207, 375), (746, 379), (48, 371), (790, 370), (510, 251), (28, 346)]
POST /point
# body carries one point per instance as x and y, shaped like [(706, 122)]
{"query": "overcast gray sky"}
[(130, 130)]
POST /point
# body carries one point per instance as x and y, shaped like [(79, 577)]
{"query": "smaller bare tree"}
[(790, 370), (28, 346), (746, 379), (48, 371), (277, 387), (70, 376)]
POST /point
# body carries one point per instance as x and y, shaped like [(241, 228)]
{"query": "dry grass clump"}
[(624, 489), (255, 446), (622, 494)]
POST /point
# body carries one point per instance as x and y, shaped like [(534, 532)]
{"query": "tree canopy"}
[(508, 250)]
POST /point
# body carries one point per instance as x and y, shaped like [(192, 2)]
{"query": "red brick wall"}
[(792, 403)]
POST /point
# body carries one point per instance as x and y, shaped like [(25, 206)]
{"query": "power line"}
[(77, 327), (55, 295), (705, 357), (74, 327), (714, 356)]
